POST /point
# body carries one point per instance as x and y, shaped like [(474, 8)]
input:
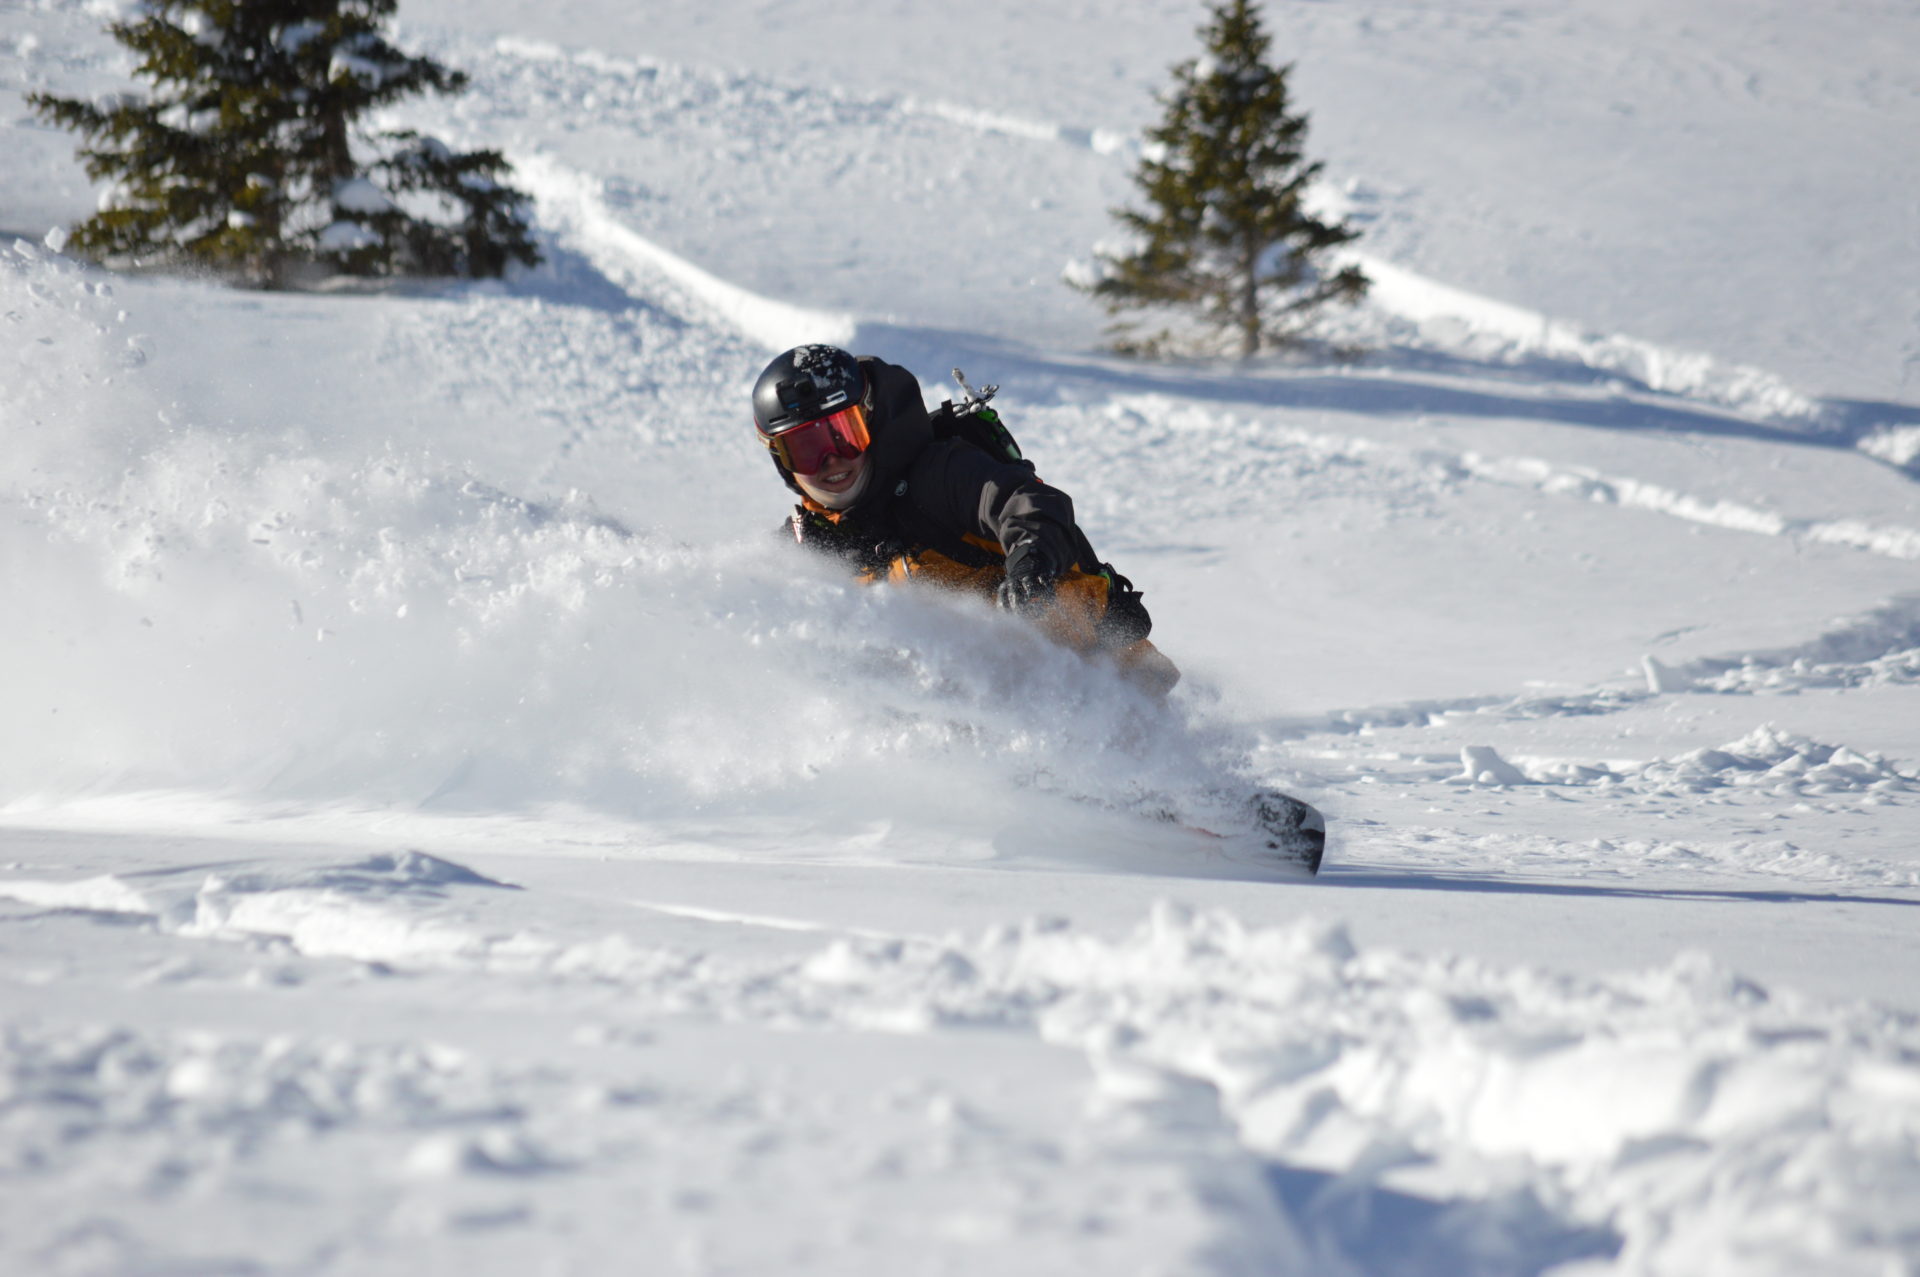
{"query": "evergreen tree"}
[(251, 156), (1225, 240)]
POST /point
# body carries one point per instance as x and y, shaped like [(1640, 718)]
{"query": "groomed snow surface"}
[(443, 830)]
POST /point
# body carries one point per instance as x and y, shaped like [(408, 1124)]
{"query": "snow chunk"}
[(1482, 765), (103, 895), (495, 1152), (1895, 445), (1662, 677)]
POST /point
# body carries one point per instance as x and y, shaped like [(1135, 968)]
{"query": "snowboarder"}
[(903, 494)]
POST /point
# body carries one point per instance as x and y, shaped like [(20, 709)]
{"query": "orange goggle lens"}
[(807, 448)]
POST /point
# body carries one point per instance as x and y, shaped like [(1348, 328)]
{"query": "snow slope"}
[(441, 830)]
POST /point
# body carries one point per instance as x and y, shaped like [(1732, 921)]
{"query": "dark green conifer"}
[(251, 156), (1225, 241)]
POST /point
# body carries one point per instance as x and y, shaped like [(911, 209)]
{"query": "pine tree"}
[(251, 156), (1226, 240)]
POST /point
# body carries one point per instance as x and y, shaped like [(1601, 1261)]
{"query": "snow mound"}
[(1784, 763), (181, 1127), (105, 894), (1878, 648), (1662, 1105), (1895, 445), (423, 1154), (1777, 763), (73, 1088), (381, 909), (385, 874), (1803, 674), (1666, 1120)]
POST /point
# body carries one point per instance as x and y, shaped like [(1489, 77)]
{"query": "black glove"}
[(1031, 574)]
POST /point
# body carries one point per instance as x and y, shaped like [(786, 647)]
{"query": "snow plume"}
[(260, 611), (69, 359)]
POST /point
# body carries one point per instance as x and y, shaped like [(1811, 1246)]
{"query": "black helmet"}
[(803, 385)]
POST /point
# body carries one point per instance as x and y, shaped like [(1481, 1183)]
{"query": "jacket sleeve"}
[(962, 488)]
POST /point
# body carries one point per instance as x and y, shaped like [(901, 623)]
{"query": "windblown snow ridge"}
[(1589, 485), (374, 910), (572, 205), (1250, 456), (1427, 312)]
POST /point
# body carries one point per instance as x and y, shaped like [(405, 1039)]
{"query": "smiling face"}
[(838, 484)]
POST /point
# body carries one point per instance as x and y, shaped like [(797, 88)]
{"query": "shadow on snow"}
[(1396, 382), (1386, 1233), (1359, 876)]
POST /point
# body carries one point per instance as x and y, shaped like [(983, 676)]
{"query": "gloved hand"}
[(1031, 574)]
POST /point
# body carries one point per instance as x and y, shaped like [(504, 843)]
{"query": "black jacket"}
[(930, 494)]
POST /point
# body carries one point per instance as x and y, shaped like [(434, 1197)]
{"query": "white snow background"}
[(442, 830)]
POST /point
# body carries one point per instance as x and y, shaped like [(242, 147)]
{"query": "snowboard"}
[(1285, 834)]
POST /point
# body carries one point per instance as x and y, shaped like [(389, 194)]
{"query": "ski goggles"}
[(807, 448)]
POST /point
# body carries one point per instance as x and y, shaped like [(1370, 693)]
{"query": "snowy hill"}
[(441, 830)]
